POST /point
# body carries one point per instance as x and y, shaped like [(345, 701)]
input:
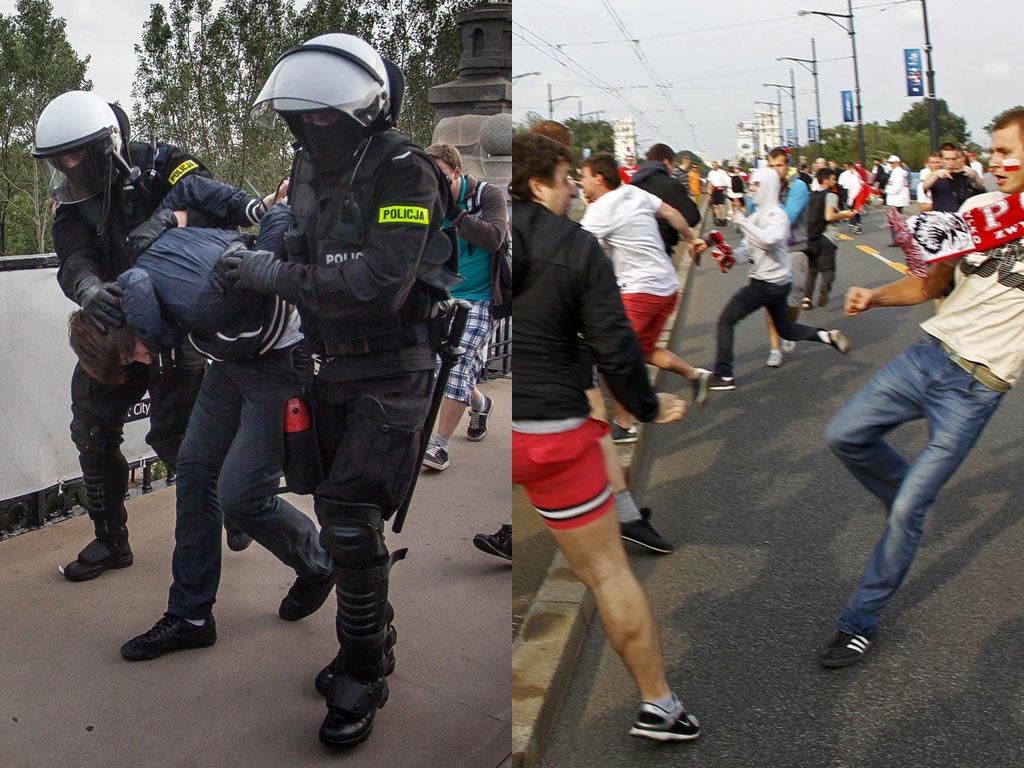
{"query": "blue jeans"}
[(748, 299), (921, 383), (229, 466)]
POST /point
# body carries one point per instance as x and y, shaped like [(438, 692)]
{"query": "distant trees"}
[(199, 67)]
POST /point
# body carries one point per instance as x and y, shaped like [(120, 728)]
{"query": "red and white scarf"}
[(936, 235)]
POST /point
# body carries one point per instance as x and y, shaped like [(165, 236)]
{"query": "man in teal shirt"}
[(481, 222)]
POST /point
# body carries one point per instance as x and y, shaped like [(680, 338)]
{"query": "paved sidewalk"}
[(68, 698)]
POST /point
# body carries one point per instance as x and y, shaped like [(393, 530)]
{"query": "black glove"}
[(144, 235), (251, 270), (219, 275), (187, 357), (101, 303)]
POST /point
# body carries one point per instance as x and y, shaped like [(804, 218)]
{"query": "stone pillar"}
[(474, 111)]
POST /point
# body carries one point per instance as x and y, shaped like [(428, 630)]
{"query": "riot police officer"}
[(104, 185), (366, 266)]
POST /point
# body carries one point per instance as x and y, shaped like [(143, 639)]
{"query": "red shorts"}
[(564, 474), (647, 314)]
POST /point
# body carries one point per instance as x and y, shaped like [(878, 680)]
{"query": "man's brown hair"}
[(602, 164), (1013, 117), (779, 152), (662, 153), (553, 130), (102, 355), (535, 157), (446, 153)]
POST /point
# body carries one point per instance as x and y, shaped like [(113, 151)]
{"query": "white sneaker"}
[(774, 358), (788, 346)]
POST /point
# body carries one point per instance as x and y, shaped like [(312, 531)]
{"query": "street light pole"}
[(933, 106), (813, 69), (552, 102), (525, 74), (849, 28)]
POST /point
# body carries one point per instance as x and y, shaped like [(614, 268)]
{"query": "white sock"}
[(625, 507), (669, 703), (197, 622), (823, 336), (477, 402), (440, 441)]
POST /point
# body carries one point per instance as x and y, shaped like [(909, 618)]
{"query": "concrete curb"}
[(544, 652)]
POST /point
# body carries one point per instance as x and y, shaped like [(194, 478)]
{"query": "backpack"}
[(501, 262)]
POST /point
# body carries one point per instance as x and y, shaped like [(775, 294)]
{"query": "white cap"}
[(893, 159)]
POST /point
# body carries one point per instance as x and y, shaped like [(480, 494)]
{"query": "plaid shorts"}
[(475, 338)]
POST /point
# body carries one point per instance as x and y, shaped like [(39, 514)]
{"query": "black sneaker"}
[(436, 458), (498, 544), (97, 557), (838, 341), (238, 540), (171, 633), (642, 532), (623, 436), (653, 722), (722, 384), (700, 387), (477, 429), (306, 596), (845, 649)]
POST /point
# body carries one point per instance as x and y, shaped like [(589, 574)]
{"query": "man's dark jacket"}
[(563, 285), (654, 177)]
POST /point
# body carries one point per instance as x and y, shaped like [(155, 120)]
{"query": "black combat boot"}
[(353, 534), (108, 550)]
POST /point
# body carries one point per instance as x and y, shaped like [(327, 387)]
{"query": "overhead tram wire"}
[(638, 52), (578, 69)]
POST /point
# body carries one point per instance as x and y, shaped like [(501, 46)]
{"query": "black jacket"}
[(89, 244), (564, 286), (654, 177)]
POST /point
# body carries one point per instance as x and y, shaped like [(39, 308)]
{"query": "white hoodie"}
[(766, 232)]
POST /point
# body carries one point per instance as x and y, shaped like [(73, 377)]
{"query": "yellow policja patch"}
[(403, 214), (181, 170)]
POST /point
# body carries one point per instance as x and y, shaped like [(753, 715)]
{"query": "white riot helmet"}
[(79, 137), (333, 72)]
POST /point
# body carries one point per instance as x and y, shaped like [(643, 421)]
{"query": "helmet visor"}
[(312, 80), (80, 173)]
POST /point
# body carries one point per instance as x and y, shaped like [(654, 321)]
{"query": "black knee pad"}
[(353, 534)]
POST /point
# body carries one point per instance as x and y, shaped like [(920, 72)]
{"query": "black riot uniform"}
[(367, 264), (91, 241)]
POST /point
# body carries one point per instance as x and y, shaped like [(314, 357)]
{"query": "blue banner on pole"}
[(847, 106), (812, 129), (912, 64), (790, 137)]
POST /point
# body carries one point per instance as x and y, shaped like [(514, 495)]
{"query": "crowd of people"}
[(338, 317), (594, 297)]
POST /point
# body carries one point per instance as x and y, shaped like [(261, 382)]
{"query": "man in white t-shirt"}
[(719, 185), (954, 376), (622, 217), (851, 183), (897, 189)]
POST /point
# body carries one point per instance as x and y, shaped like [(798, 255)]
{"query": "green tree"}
[(38, 64), (595, 135), (952, 127), (199, 72)]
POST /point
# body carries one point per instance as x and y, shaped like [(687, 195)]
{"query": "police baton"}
[(451, 351)]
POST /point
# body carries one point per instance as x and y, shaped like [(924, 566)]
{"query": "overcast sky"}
[(714, 57)]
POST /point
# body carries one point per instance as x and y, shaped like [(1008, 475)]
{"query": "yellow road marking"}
[(872, 252)]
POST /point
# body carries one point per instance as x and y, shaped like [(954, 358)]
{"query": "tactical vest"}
[(331, 216)]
